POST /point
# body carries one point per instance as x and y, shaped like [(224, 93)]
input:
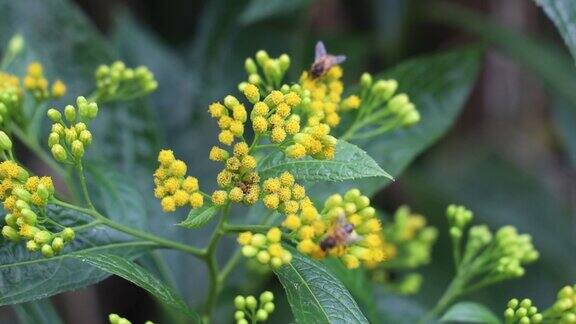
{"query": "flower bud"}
[(57, 244), (262, 57), (32, 246), (284, 62), (47, 251), (269, 307), (70, 113), (5, 142), (266, 297), (10, 219), (77, 149), (29, 216), (59, 153), (250, 66), (249, 251), (53, 139), (251, 302), (54, 115), (42, 237), (366, 80), (10, 233), (67, 234), (254, 79), (261, 315), (239, 302), (85, 137), (238, 315), (15, 45)]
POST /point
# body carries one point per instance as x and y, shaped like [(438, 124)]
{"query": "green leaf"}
[(468, 312), (563, 14), (564, 118), (26, 276), (350, 162), (258, 10), (315, 295), (37, 312), (139, 276), (199, 217)]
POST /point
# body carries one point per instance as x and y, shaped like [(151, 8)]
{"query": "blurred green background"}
[(510, 157)]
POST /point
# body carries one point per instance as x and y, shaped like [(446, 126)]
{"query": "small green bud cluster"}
[(564, 309), (116, 82), (117, 319), (411, 238), (273, 70), (512, 250), (49, 243), (15, 45), (458, 218), (522, 312), (70, 135), (249, 308)]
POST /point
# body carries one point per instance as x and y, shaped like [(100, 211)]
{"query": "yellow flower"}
[(166, 157), (168, 204), (245, 238), (219, 197), (58, 89), (196, 200), (274, 235)]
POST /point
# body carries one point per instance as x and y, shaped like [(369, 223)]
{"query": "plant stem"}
[(453, 291), (212, 264), (231, 228), (134, 232), (84, 186)]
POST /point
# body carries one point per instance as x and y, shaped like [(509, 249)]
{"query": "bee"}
[(324, 61), (341, 233)]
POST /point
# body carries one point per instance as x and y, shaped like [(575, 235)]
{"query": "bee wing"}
[(320, 51), (339, 59)]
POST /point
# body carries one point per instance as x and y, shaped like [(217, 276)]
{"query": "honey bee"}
[(324, 61), (341, 233)]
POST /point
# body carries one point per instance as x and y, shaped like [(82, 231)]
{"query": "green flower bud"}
[(70, 135), (10, 233), (258, 240), (85, 137), (262, 57), (59, 153), (352, 194), (238, 315), (47, 251), (239, 302), (366, 80), (231, 102), (266, 297), (113, 318), (10, 220), (249, 251), (269, 307), (250, 66), (242, 321), (70, 113), (5, 142), (77, 149), (29, 216), (284, 62), (261, 315), (254, 79), (53, 139), (251, 302), (509, 314), (15, 45), (54, 115), (67, 234), (263, 257), (58, 129), (32, 246), (22, 194), (42, 237), (455, 232), (276, 262), (362, 202), (21, 204), (57, 244)]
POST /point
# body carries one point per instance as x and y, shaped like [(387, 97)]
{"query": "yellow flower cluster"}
[(238, 181), (118, 82), (173, 187), (25, 199), (67, 142), (325, 95), (38, 85), (265, 248), (314, 140), (352, 232), (231, 118)]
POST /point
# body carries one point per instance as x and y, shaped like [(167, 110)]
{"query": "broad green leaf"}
[(350, 162), (563, 14), (315, 295), (468, 312), (26, 276), (139, 276), (258, 10), (37, 312), (199, 217), (439, 86)]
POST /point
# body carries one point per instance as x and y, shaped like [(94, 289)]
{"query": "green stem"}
[(231, 228), (84, 185), (212, 264), (134, 232), (454, 290)]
